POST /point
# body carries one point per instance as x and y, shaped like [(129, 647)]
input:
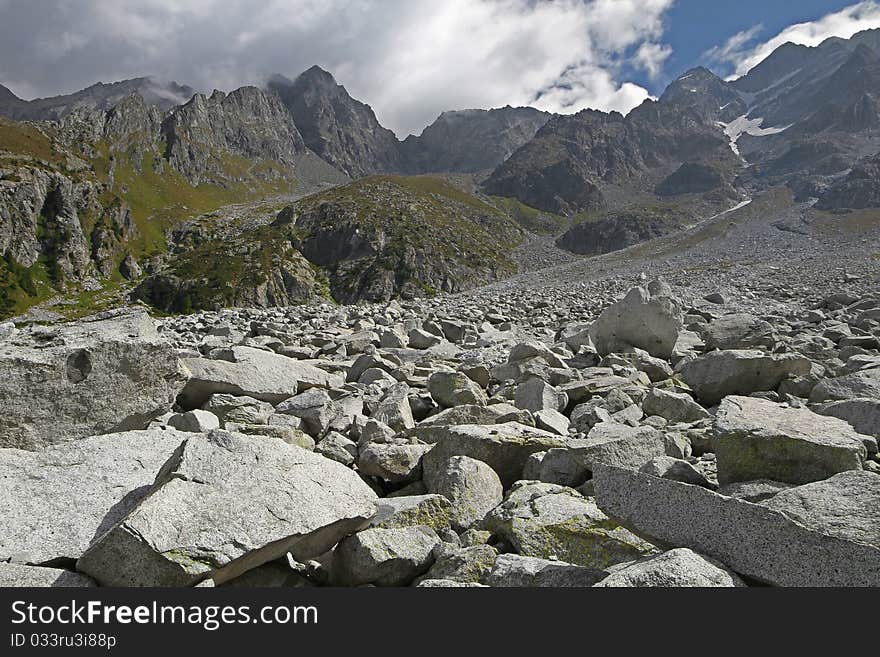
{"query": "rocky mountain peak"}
[(247, 122), (343, 131)]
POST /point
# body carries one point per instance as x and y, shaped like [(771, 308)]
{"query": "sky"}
[(413, 59)]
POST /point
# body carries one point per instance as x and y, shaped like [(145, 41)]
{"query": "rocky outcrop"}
[(56, 382), (859, 190), (613, 231), (387, 236)]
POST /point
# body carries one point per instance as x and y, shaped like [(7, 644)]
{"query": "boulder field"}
[(647, 438)]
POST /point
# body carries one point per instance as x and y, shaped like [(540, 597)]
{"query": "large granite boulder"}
[(717, 374), (820, 534), (863, 384), (863, 415), (647, 317), (225, 504), (737, 331), (55, 502), (504, 447), (472, 486), (109, 373), (251, 372), (613, 444), (757, 439), (384, 557)]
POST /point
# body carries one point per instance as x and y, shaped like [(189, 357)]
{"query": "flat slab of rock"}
[(55, 502), (251, 372), (18, 575), (225, 504), (757, 439), (55, 382), (739, 372), (504, 447), (756, 540), (676, 568)]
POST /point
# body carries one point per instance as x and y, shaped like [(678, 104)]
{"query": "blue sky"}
[(412, 59), (692, 27)]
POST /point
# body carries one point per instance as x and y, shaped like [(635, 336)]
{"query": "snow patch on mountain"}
[(744, 125)]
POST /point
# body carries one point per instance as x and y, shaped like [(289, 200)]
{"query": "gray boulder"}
[(555, 522), (615, 444), (462, 564), (514, 570), (394, 409), (392, 462), (647, 317), (314, 407), (226, 504), (110, 373), (739, 372), (863, 415), (455, 389), (536, 395), (737, 331), (195, 421), (681, 567), (339, 448), (434, 511), (864, 384), (668, 467), (251, 372), (55, 502), (673, 406), (242, 410), (384, 557), (503, 447), (757, 439), (472, 486), (753, 539)]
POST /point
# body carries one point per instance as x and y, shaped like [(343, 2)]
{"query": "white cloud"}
[(743, 54), (410, 59), (651, 57)]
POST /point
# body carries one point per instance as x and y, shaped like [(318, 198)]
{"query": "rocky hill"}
[(83, 200)]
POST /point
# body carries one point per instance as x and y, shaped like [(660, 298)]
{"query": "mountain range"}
[(275, 195)]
